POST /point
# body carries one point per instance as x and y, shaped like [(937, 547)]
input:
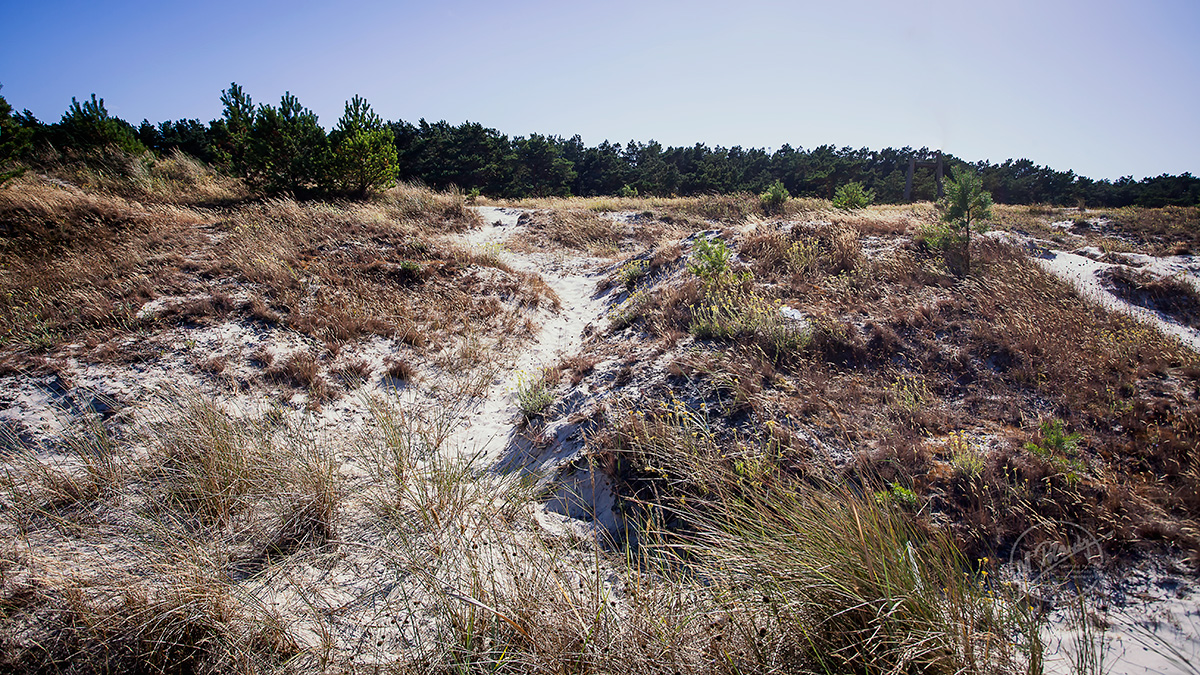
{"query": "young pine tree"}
[(87, 126), (364, 151), (15, 141), (287, 150), (965, 205), (230, 135)]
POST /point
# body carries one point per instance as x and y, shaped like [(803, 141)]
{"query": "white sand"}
[(1082, 272), (491, 425)]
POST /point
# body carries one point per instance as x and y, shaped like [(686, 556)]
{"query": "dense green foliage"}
[(283, 149), (852, 196), (15, 141), (775, 197), (288, 151), (364, 151), (192, 137), (88, 126)]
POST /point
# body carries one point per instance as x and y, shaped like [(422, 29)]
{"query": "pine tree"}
[(364, 151), (288, 150), (15, 141), (88, 126), (966, 204), (231, 134)]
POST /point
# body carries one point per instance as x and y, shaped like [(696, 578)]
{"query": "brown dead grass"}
[(177, 178), (901, 351), (1175, 297), (80, 266)]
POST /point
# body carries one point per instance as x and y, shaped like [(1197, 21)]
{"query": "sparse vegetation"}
[(535, 394), (966, 204), (818, 440)]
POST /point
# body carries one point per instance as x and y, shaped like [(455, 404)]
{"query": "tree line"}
[(282, 148)]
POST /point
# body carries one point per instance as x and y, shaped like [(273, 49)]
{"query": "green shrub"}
[(710, 259), (627, 191), (897, 495), (288, 150), (1058, 447), (15, 141), (364, 152), (774, 198), (87, 126), (852, 196), (534, 394)]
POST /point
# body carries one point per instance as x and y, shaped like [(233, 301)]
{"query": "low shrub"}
[(534, 394), (852, 196), (774, 199)]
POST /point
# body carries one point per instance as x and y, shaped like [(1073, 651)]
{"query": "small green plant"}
[(727, 313), (630, 310), (627, 192), (473, 195), (938, 236), (774, 199), (1054, 439), (965, 205), (534, 394), (897, 495), (852, 196), (632, 272), (1058, 447), (909, 394), (710, 259), (802, 257), (965, 456)]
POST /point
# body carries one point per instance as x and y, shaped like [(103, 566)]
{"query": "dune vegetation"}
[(238, 426)]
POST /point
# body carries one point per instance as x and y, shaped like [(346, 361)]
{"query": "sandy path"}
[(491, 424), (1082, 272)]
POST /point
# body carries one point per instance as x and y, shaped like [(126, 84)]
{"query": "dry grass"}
[(993, 354), (573, 229), (175, 179), (398, 369), (834, 504), (1170, 230), (215, 498), (1175, 297), (81, 266), (240, 546)]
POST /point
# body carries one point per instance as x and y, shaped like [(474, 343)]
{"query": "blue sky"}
[(1103, 88)]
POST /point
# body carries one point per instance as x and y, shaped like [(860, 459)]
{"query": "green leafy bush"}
[(710, 259), (852, 196), (897, 495), (774, 198)]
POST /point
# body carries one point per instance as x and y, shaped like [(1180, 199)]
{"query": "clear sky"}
[(1104, 88)]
